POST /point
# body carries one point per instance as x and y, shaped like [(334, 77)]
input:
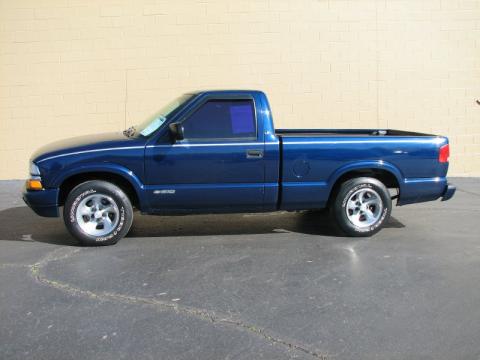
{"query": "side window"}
[(222, 119)]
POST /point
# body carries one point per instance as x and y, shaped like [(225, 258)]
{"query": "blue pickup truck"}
[(218, 152)]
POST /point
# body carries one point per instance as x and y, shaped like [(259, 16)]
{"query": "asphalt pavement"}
[(244, 286)]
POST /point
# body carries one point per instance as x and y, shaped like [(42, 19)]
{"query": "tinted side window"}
[(222, 119)]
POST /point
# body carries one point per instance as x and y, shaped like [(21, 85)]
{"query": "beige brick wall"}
[(73, 67)]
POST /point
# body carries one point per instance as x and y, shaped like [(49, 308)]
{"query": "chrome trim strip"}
[(88, 151), (372, 139), (203, 145)]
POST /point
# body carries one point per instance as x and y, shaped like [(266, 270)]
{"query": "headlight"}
[(34, 170)]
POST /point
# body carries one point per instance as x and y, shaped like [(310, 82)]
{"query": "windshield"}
[(154, 122)]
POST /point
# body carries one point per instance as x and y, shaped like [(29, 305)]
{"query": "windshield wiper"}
[(130, 131)]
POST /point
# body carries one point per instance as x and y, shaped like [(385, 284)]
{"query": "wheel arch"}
[(388, 174), (123, 178)]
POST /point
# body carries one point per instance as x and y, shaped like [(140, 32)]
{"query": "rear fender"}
[(365, 165)]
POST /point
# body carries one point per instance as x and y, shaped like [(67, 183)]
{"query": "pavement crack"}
[(7, 266), (202, 314), (468, 192)]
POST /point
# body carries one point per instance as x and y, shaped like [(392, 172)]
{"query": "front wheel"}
[(98, 213), (362, 206)]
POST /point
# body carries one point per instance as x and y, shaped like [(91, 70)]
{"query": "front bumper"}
[(449, 192), (42, 202)]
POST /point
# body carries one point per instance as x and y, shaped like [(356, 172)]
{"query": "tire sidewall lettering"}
[(73, 219)]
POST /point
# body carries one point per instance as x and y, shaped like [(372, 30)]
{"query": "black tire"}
[(351, 190), (121, 217)]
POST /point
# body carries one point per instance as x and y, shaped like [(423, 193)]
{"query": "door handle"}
[(254, 154)]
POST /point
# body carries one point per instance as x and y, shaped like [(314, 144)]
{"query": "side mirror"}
[(176, 129)]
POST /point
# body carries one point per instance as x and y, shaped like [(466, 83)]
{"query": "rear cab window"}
[(228, 119)]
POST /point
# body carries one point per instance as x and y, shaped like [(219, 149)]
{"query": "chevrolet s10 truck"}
[(218, 152)]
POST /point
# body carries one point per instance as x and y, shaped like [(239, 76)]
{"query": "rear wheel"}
[(362, 206), (98, 213)]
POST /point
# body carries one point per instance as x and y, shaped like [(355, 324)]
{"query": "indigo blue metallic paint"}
[(298, 168), (43, 202), (206, 175)]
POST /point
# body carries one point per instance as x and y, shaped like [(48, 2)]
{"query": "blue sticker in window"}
[(242, 119)]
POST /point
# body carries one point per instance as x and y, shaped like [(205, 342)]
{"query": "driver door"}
[(218, 166)]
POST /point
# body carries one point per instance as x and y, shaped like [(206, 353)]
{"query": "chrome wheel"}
[(97, 214), (364, 207)]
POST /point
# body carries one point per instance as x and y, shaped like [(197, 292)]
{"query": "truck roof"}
[(225, 91)]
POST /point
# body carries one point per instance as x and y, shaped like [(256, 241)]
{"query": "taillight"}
[(444, 154)]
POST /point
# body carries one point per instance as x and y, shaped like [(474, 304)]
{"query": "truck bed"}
[(311, 160), (346, 132)]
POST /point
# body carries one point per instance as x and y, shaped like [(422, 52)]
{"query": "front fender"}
[(112, 168)]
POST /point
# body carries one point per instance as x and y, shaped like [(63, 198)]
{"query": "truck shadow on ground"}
[(21, 224)]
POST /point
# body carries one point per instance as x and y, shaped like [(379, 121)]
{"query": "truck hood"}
[(86, 143)]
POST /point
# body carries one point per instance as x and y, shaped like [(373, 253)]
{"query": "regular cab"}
[(218, 152)]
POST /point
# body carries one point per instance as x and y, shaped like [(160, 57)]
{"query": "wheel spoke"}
[(85, 211), (371, 202), (99, 202), (357, 216), (108, 209), (108, 223), (369, 215), (90, 226), (351, 205), (360, 195)]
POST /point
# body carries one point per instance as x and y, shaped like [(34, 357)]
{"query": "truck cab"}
[(223, 156)]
